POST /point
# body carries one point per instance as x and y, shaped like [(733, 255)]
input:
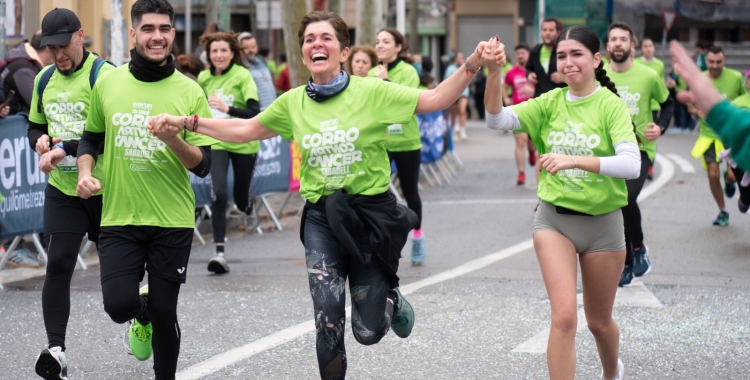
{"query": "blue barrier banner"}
[(271, 173), (432, 128), (21, 182), (272, 167)]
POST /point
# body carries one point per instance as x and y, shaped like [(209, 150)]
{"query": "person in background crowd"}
[(190, 65), (282, 82), (54, 136), (459, 108), (260, 72), (265, 54), (730, 84), (231, 93), (701, 48), (148, 218), (405, 142), (541, 70), (22, 63), (516, 80), (578, 222), (361, 59), (332, 242)]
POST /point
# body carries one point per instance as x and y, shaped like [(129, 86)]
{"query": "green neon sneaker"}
[(403, 315), (138, 336)]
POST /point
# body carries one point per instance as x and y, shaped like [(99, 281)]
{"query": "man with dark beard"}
[(639, 87), (541, 70), (147, 217)]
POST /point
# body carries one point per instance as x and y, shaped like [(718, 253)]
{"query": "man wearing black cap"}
[(59, 107), (149, 208)]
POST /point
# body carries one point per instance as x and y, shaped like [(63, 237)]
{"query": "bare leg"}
[(714, 182), (600, 274), (557, 258), (521, 143)]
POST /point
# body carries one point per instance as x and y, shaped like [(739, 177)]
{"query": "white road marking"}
[(636, 295), (684, 164), (278, 338), (480, 202)]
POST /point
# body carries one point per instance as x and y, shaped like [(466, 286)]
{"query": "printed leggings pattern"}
[(328, 269)]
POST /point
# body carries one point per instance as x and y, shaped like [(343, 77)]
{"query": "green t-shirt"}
[(403, 137), (65, 106), (235, 87), (657, 65), (544, 58), (639, 88), (586, 127), (730, 84), (147, 183), (343, 139), (742, 101)]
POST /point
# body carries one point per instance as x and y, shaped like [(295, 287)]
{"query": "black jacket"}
[(18, 75), (544, 78), (367, 227)]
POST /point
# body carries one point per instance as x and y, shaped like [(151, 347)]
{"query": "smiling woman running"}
[(231, 92), (587, 145), (352, 226)]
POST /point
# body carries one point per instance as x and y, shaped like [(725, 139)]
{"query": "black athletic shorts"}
[(70, 214), (163, 252)]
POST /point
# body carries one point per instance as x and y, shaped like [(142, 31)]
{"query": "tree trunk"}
[(292, 12), (336, 6), (414, 46), (369, 21)]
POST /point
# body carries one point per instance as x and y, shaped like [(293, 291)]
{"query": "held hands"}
[(381, 72), (653, 132), (87, 186), (491, 53), (165, 127), (554, 162), (215, 102), (50, 159)]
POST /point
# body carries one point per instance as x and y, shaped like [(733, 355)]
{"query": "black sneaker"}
[(218, 264), (626, 278), (642, 264), (722, 219), (729, 187), (403, 315), (743, 207), (51, 364)]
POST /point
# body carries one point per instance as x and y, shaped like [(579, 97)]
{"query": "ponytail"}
[(603, 79)]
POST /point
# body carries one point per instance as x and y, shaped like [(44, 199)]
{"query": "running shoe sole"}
[(216, 267), (48, 367)]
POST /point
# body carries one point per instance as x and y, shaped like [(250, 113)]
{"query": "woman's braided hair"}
[(588, 38)]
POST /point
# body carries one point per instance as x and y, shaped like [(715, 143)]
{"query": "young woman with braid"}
[(231, 93), (352, 228), (405, 142), (588, 148)]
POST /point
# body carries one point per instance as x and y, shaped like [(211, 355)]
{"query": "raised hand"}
[(381, 72), (493, 54)]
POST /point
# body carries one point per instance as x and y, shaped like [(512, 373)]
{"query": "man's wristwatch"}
[(61, 146)]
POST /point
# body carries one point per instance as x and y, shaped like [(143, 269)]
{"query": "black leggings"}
[(631, 214), (407, 166), (744, 191), (62, 252), (243, 165), (327, 270)]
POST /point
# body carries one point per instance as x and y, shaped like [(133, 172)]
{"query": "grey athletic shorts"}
[(600, 233)]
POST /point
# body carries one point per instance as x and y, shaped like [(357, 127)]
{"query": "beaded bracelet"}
[(470, 68)]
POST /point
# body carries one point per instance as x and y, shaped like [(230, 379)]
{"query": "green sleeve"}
[(200, 108), (34, 116), (400, 101), (619, 123), (659, 91), (95, 121), (733, 126), (249, 90), (681, 85), (276, 117), (532, 114)]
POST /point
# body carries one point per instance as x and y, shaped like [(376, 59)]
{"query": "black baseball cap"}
[(58, 25)]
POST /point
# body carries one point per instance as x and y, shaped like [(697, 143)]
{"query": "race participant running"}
[(231, 93), (352, 226), (639, 87), (56, 121), (515, 78), (148, 211), (404, 141), (730, 84), (585, 136)]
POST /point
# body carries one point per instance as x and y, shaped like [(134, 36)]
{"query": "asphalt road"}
[(481, 307)]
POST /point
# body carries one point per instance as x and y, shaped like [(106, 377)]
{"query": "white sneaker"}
[(51, 364), (620, 371), (462, 133)]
